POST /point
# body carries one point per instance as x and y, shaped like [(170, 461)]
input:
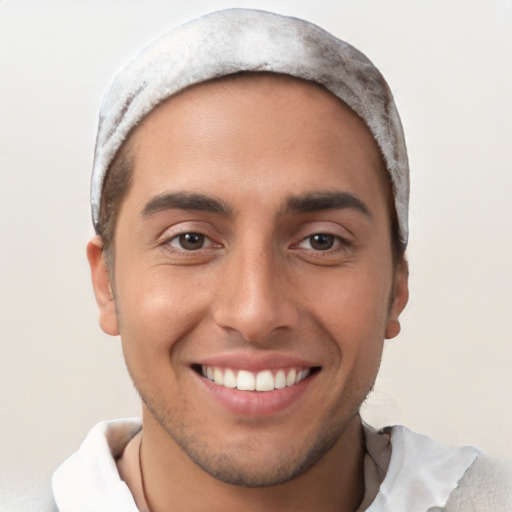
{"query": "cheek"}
[(156, 311), (352, 308), (350, 298)]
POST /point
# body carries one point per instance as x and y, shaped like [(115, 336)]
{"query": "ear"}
[(400, 297), (102, 287)]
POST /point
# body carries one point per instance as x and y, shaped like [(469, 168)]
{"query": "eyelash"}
[(168, 243), (338, 244)]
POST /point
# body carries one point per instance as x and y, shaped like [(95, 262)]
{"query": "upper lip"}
[(256, 362)]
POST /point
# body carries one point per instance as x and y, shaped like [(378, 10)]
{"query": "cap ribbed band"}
[(235, 40)]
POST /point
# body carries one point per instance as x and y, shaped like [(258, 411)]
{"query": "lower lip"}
[(257, 403)]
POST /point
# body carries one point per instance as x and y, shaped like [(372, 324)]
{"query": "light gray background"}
[(449, 374)]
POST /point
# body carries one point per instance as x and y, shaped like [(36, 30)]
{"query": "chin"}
[(251, 469), (254, 460)]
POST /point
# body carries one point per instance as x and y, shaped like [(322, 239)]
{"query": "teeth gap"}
[(198, 369)]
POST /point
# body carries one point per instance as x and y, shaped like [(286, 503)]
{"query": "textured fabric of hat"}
[(236, 40)]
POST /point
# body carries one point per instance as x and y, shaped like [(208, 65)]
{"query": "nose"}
[(255, 296)]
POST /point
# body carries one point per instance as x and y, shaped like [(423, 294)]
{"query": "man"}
[(250, 196)]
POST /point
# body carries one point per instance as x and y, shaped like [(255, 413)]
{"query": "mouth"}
[(261, 381)]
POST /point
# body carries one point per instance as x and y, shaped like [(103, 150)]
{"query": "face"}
[(253, 282)]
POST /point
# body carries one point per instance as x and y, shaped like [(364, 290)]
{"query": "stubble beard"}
[(235, 467)]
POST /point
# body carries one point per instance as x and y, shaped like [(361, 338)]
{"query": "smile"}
[(265, 380)]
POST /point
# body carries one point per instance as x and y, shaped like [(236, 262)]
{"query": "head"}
[(255, 267)]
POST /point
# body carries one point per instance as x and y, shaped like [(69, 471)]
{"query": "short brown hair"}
[(117, 183)]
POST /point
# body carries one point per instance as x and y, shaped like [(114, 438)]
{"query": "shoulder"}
[(485, 487), (90, 476), (421, 473)]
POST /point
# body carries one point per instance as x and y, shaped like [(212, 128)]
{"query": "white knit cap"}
[(236, 40)]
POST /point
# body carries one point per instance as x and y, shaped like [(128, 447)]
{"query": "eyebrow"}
[(185, 201), (305, 203), (324, 200)]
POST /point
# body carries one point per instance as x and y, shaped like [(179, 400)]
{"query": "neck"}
[(173, 482)]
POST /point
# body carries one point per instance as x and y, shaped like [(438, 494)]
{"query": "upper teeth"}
[(266, 380)]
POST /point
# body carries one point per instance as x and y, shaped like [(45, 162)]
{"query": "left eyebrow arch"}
[(324, 200), (185, 201)]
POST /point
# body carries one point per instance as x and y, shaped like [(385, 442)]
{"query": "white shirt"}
[(404, 471)]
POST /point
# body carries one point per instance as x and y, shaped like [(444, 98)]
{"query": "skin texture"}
[(259, 291)]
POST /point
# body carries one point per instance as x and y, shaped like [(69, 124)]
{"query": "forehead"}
[(269, 129), (262, 87), (250, 110)]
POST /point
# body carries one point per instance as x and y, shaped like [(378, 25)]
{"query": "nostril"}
[(258, 324)]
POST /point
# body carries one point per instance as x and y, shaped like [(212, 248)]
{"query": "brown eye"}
[(321, 241), (191, 241)]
